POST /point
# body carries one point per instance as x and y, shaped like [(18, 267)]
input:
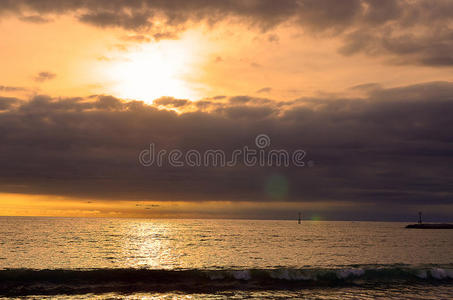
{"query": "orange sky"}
[(229, 59), (243, 48)]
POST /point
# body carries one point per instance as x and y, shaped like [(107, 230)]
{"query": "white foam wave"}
[(242, 275), (345, 273), (439, 273), (422, 274), (285, 274)]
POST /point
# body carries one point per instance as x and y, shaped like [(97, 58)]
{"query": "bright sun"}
[(156, 70)]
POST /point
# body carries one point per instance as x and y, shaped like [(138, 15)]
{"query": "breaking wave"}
[(15, 282)]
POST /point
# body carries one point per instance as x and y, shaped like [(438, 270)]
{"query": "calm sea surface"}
[(217, 259)]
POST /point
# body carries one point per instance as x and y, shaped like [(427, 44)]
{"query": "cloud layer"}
[(45, 76), (408, 32), (392, 146)]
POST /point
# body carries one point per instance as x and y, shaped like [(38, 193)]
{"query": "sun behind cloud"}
[(154, 70)]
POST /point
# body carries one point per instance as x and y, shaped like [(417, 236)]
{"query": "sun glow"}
[(155, 70)]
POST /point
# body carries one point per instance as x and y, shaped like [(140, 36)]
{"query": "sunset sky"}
[(364, 87)]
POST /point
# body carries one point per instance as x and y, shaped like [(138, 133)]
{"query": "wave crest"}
[(14, 282)]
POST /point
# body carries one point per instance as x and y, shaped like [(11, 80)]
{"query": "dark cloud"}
[(366, 87), (240, 99), (432, 48), (246, 112), (107, 103), (410, 32), (330, 15), (147, 206), (35, 19), (248, 99), (392, 147), (5, 88), (171, 102), (7, 102), (44, 76), (133, 21), (264, 90)]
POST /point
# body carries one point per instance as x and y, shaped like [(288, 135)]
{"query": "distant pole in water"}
[(419, 217), (300, 218)]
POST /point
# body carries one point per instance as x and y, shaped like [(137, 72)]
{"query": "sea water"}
[(76, 258)]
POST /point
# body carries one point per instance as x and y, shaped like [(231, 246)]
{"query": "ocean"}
[(86, 258)]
